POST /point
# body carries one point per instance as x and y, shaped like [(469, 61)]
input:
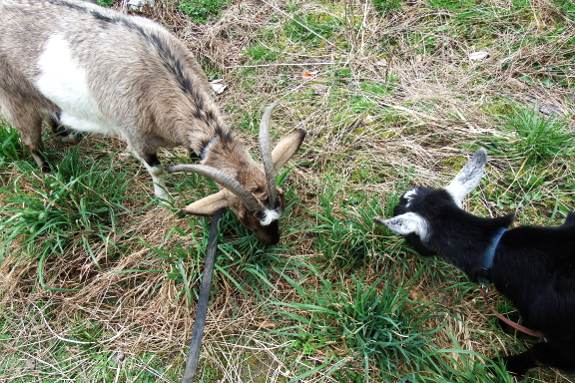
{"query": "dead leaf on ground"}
[(309, 75), (217, 86), (382, 62), (265, 324), (417, 295), (479, 55)]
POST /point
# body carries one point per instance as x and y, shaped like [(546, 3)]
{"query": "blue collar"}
[(483, 275), (205, 150)]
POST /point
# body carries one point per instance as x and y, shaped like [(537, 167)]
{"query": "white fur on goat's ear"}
[(468, 177), (286, 148), (208, 205), (405, 224)]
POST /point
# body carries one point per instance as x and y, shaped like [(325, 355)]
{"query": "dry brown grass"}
[(442, 100)]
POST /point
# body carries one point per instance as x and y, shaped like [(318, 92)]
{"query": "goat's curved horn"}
[(216, 175), (265, 148)]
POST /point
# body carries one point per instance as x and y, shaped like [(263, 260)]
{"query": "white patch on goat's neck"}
[(64, 82), (269, 216), (409, 195)]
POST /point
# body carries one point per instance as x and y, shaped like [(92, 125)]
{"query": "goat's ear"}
[(287, 147), (468, 177), (405, 224), (208, 205)]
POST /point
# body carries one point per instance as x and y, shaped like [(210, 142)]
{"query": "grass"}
[(375, 321), (533, 137), (200, 10), (99, 283), (105, 3)]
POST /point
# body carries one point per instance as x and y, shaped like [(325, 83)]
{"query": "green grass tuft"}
[(76, 199), (375, 319), (532, 137), (200, 10)]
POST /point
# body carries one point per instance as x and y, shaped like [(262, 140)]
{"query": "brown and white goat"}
[(99, 71)]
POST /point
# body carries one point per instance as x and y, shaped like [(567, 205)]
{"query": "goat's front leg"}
[(152, 164), (519, 364), (32, 139)]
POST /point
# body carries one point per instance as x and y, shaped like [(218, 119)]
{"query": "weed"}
[(106, 3), (453, 5), (461, 366), (375, 319), (211, 69), (10, 149), (533, 138), (200, 10), (312, 29), (567, 7), (342, 241), (47, 212), (339, 297), (262, 52), (387, 6)]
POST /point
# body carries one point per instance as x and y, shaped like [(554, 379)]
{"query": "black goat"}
[(533, 266)]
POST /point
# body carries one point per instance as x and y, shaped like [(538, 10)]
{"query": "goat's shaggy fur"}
[(97, 70), (533, 266)]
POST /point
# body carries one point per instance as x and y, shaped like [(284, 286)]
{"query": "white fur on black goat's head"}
[(419, 208), (251, 191)]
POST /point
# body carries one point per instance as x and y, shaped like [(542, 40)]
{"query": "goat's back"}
[(550, 246)]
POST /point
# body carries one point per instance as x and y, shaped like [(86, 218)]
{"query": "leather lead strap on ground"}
[(198, 333), (517, 326)]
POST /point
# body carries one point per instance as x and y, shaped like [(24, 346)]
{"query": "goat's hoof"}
[(165, 201), (70, 139), (161, 194)]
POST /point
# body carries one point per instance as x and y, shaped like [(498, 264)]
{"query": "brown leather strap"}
[(516, 326)]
